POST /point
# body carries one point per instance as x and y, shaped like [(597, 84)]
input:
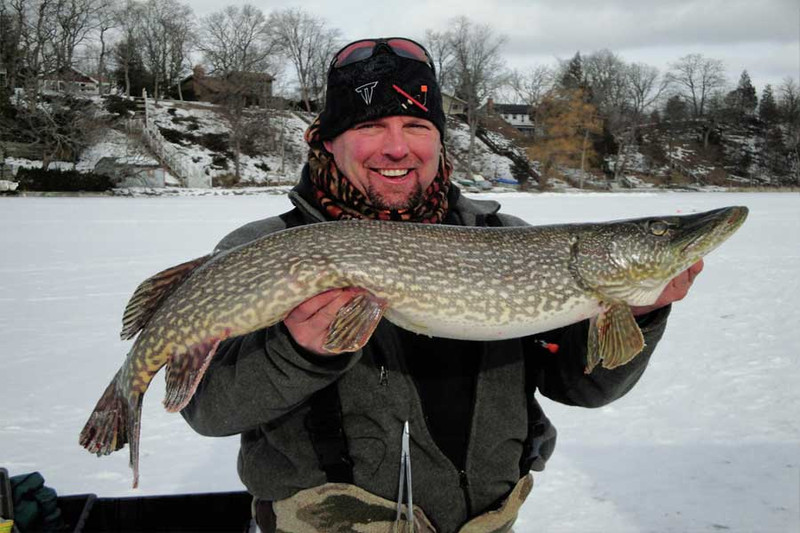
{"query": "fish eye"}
[(658, 227)]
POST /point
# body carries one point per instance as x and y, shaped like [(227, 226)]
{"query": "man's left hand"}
[(676, 290)]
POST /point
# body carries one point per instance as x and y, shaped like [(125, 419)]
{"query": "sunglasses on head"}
[(366, 48)]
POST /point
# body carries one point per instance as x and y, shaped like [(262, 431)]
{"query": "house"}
[(71, 81), (453, 105), (256, 87), (518, 115)]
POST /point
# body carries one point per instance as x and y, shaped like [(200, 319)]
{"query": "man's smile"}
[(392, 172)]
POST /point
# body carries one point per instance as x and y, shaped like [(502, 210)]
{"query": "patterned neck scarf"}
[(341, 200)]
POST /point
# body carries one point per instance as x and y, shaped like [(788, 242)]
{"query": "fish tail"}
[(113, 423)]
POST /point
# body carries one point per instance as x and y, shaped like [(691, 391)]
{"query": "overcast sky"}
[(762, 36)]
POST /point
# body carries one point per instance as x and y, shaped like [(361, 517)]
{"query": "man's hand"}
[(308, 322), (674, 291)]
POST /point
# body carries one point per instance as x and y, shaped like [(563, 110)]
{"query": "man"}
[(321, 433)]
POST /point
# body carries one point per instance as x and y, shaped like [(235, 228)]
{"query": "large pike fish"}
[(445, 281)]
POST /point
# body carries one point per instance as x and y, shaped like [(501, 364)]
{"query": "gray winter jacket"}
[(258, 386)]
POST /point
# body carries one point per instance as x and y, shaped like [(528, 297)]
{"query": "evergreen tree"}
[(742, 101), (572, 76), (676, 109), (768, 110), (747, 94), (131, 72)]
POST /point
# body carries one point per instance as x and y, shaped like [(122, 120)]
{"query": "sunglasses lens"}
[(361, 50), (354, 53), (408, 49)]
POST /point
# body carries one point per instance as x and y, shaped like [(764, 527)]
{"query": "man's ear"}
[(328, 146)]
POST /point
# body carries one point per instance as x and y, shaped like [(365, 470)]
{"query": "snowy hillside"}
[(737, 154), (272, 148), (709, 440)]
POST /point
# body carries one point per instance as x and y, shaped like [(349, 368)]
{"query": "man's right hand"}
[(308, 323)]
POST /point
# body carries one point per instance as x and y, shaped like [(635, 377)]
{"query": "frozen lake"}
[(709, 440)]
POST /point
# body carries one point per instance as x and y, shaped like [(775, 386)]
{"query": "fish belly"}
[(506, 324)]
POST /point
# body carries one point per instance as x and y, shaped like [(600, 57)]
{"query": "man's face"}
[(391, 160)]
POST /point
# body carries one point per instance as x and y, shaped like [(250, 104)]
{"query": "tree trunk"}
[(583, 155), (236, 162), (306, 99), (707, 133), (127, 79), (473, 128), (101, 66), (619, 164)]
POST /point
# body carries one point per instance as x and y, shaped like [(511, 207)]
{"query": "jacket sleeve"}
[(561, 376), (256, 378)]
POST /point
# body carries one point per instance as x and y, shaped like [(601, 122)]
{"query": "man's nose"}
[(395, 144)]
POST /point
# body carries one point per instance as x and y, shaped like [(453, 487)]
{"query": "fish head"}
[(634, 260)]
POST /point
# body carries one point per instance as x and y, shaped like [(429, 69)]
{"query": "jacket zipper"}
[(463, 481)]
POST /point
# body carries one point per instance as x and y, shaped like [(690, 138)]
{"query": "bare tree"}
[(478, 69), (35, 21), (236, 39), (531, 85), (127, 18), (696, 77), (440, 45), (605, 75), (76, 20), (308, 44), (644, 88), (165, 31), (106, 20)]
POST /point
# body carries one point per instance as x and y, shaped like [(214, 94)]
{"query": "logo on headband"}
[(366, 91)]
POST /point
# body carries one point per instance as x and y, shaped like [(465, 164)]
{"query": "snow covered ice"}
[(709, 440)]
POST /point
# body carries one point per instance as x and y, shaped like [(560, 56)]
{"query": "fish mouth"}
[(700, 234)]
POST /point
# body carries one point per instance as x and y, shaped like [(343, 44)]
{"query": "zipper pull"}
[(384, 379), (462, 479)]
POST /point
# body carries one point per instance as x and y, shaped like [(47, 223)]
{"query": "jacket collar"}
[(466, 210)]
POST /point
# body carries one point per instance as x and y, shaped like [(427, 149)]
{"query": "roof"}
[(511, 109), (69, 74), (453, 97)]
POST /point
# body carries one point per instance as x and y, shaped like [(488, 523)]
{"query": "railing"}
[(190, 173)]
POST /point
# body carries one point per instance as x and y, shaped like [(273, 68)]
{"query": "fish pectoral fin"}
[(151, 292), (184, 372), (614, 338), (354, 323)]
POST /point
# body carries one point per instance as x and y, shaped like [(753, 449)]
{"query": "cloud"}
[(574, 25)]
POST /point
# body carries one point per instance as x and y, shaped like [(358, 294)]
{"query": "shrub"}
[(220, 161), (224, 180), (123, 107), (173, 136), (37, 179), (216, 142)]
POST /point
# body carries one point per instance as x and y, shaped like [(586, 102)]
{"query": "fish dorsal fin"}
[(151, 292)]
